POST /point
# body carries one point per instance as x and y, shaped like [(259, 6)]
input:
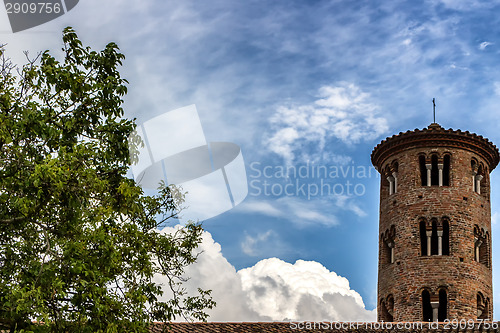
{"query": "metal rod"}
[(434, 104)]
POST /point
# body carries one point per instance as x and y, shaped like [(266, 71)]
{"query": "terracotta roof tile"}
[(285, 327)]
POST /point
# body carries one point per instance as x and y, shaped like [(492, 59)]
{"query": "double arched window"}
[(481, 246), (479, 176), (391, 174), (434, 305), (387, 309), (387, 240), (483, 306)]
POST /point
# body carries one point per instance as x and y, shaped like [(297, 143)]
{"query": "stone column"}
[(478, 183), (390, 180), (440, 169), (391, 246), (395, 176), (478, 245), (428, 233), (429, 168), (435, 309), (474, 172), (440, 242)]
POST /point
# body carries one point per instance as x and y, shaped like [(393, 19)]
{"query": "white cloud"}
[(494, 218), (305, 290), (341, 112), (213, 271), (467, 4), (299, 211), (273, 290), (250, 244), (304, 212), (261, 207), (483, 45)]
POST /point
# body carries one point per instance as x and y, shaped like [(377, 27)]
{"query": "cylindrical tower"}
[(435, 225)]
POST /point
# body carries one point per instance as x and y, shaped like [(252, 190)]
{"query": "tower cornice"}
[(435, 136)]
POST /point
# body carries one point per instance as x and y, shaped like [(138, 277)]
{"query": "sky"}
[(300, 86)]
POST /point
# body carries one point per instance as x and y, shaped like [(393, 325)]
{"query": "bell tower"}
[(435, 225)]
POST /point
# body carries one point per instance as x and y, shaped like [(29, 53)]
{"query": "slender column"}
[(435, 308), (391, 182), (475, 248), (440, 242), (391, 246), (429, 234), (440, 169), (429, 167), (478, 245), (478, 183), (480, 309), (395, 176), (474, 180)]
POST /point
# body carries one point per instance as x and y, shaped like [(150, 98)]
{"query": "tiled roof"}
[(285, 327)]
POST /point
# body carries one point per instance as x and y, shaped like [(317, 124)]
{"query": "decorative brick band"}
[(436, 136)]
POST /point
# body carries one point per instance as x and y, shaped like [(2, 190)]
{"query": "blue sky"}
[(300, 83)]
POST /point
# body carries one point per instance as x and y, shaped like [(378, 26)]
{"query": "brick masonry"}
[(400, 283)]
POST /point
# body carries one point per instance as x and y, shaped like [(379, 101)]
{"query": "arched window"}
[(481, 246), (426, 306), (387, 254), (434, 170), (390, 179), (486, 313), (434, 238), (484, 250), (446, 237), (390, 308), (477, 242), (423, 170), (446, 170), (483, 305), (479, 178), (443, 306), (394, 171), (388, 245), (423, 238), (386, 310), (475, 167)]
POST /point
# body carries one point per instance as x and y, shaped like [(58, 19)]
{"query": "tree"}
[(79, 243)]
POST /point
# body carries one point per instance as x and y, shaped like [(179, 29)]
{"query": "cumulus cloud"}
[(272, 290), (341, 112), (305, 290), (213, 272)]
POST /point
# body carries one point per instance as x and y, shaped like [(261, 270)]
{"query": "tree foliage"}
[(79, 243)]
